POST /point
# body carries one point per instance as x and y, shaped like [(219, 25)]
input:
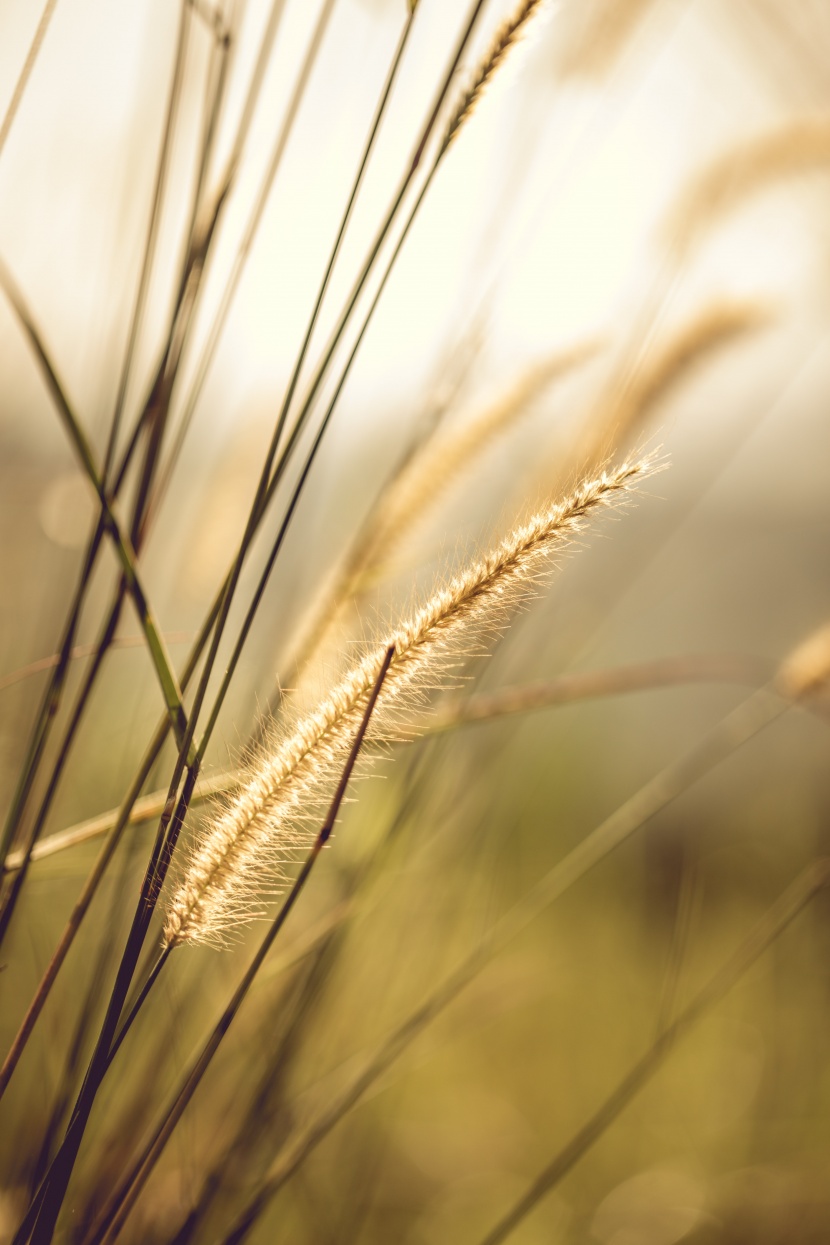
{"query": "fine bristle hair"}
[(506, 37), (240, 856)]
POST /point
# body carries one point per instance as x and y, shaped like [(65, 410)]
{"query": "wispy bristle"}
[(506, 37), (240, 857)]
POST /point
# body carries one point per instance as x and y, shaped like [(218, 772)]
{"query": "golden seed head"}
[(507, 35), (807, 669), (240, 858)]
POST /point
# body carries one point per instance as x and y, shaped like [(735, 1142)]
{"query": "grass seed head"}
[(241, 856), (506, 37)]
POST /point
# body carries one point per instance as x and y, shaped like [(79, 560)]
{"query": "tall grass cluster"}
[(432, 391)]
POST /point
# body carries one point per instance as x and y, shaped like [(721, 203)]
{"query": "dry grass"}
[(631, 402), (242, 854), (733, 179), (544, 892)]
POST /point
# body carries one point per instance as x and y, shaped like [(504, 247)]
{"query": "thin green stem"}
[(151, 239), (124, 549), (771, 926), (39, 1222), (736, 729), (9, 900), (42, 1216), (49, 705), (141, 998), (113, 1217), (251, 229)]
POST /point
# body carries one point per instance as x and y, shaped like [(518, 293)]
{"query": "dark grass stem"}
[(122, 1202), (312, 452), (26, 71), (661, 674), (67, 1084), (48, 711), (151, 239), (10, 897), (123, 545), (752, 716), (46, 717), (154, 411), (383, 231), (81, 907), (269, 1103), (52, 697), (347, 214), (49, 707), (302, 480), (140, 999), (103, 860), (244, 248), (771, 926), (39, 1223), (46, 1214)]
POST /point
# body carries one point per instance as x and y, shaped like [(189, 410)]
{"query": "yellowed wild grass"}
[(240, 857), (622, 414), (446, 456), (416, 487), (806, 670), (602, 30), (506, 37), (799, 147)]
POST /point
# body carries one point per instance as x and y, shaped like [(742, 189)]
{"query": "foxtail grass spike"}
[(507, 35), (240, 857)]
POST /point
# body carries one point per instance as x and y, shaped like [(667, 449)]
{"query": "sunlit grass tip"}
[(240, 857)]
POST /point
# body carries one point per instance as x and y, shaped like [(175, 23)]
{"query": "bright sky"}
[(550, 199)]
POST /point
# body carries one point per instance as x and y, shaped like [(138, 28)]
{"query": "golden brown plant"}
[(603, 31), (806, 670), (241, 854), (627, 405), (506, 37), (446, 456), (800, 146), (422, 480)]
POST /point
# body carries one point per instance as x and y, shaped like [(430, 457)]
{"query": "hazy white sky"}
[(551, 199)]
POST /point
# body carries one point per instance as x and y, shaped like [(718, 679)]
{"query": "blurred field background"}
[(642, 196)]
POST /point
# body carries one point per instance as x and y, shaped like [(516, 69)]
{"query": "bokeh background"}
[(644, 188)]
